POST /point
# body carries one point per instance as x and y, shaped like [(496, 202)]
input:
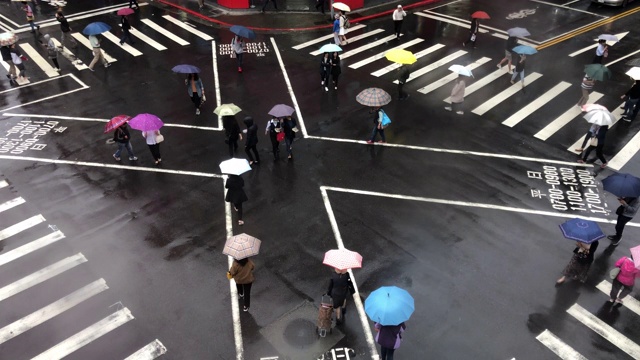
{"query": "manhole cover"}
[(300, 332)]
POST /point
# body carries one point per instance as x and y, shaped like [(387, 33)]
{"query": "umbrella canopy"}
[(597, 71), (8, 38), (480, 15), (524, 50), (374, 97), (518, 32), (242, 246), (608, 37), (116, 122), (460, 70), (582, 230), (589, 107), (330, 48), (599, 117), (185, 69), (389, 305), (243, 31), (342, 259), (235, 166), (96, 28), (400, 56), (146, 122), (622, 185), (281, 110), (125, 11), (635, 252), (634, 73), (227, 110), (341, 6)]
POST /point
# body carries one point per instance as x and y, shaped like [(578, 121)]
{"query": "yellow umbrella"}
[(400, 56)]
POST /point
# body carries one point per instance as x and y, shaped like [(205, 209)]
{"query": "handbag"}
[(204, 98), (280, 136), (229, 276), (159, 139), (620, 210), (613, 273), (593, 141)]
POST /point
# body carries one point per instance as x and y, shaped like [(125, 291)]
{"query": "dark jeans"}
[(324, 76), (629, 105), (54, 60), (155, 151), (586, 139), (377, 131), (249, 149), (122, 146), (275, 5), (615, 288), (233, 147), (126, 35), (597, 59), (622, 221), (238, 208), (197, 100), (239, 59), (275, 145), (397, 27), (335, 79), (599, 154), (245, 290), (401, 93), (471, 35), (289, 143), (386, 353)]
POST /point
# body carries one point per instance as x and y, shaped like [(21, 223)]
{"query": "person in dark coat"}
[(122, 137), (599, 134), (274, 127), (251, 141), (403, 76), (473, 32), (325, 70), (126, 35), (389, 337), (232, 132), (65, 29), (290, 129), (236, 194), (340, 286), (336, 70), (626, 211), (580, 262), (632, 102)]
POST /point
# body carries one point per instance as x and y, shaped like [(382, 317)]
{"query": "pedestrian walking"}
[(232, 133), (340, 286), (342, 32), (236, 194), (17, 58), (325, 70), (238, 46), (126, 35), (457, 96), (242, 273), (473, 32), (65, 29), (389, 337), (511, 42), (274, 129), (97, 53), (275, 5), (30, 18), (519, 70), (122, 137), (200, 4), (320, 4), (336, 70), (586, 87), (195, 90), (336, 29), (632, 102), (52, 51), (625, 279), (580, 262), (154, 138), (591, 133), (398, 16), (596, 142), (6, 57), (403, 76), (626, 211), (602, 51), (133, 2), (251, 140), (290, 129), (376, 113)]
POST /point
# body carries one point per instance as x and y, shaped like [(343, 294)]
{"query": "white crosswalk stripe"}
[(188, 28), (559, 347), (629, 302), (418, 55), (11, 204), (506, 93), (37, 59), (30, 247), (149, 352), (480, 83), (551, 94), (626, 153), (379, 56), (355, 51), (450, 21), (165, 32), (21, 226), (617, 114), (445, 80), (445, 60), (85, 41), (18, 80), (3, 183), (565, 118), (70, 56), (126, 47), (138, 35), (351, 40), (325, 37)]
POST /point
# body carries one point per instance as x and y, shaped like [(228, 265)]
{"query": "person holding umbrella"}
[(457, 96), (150, 126), (17, 59), (336, 70), (235, 194), (122, 137), (389, 307), (274, 129), (626, 211), (511, 42), (596, 142), (195, 90), (97, 53), (473, 32), (126, 35), (389, 337), (290, 129), (519, 70), (602, 51), (626, 277), (252, 140), (632, 101), (586, 233), (6, 40), (241, 272), (238, 46), (325, 70), (340, 286)]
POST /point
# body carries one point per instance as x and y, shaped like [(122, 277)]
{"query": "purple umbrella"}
[(146, 122), (281, 110)]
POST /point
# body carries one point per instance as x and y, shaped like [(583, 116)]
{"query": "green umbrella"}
[(597, 71)]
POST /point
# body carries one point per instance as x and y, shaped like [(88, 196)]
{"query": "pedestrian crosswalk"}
[(16, 245)]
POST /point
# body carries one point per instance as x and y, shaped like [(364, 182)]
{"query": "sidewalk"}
[(280, 21)]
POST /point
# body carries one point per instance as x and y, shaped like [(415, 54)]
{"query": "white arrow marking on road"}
[(164, 32), (610, 43), (353, 39), (198, 33), (536, 104), (325, 37), (629, 302), (505, 94), (559, 347), (37, 59), (11, 204), (418, 55), (617, 114), (30, 247), (379, 56), (84, 41), (439, 83), (126, 47), (149, 352), (565, 118), (21, 226), (416, 74)]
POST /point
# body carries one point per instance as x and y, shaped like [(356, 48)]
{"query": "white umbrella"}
[(461, 70), (610, 39), (599, 117), (341, 6), (235, 166), (518, 32), (634, 73)]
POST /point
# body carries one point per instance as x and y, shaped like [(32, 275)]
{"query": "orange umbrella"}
[(480, 15)]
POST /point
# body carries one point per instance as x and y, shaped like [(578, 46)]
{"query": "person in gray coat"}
[(457, 96), (626, 211), (195, 90)]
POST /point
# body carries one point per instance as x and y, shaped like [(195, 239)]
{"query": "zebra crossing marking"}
[(138, 35), (565, 118), (353, 39), (478, 84), (37, 59), (559, 347), (126, 47), (435, 65), (30, 247), (626, 153), (595, 45), (443, 81), (188, 28), (617, 113), (418, 55), (18, 80), (379, 56), (551, 94), (323, 38), (453, 22), (69, 56), (371, 45), (85, 41), (21, 226), (151, 351), (629, 302), (505, 94), (164, 32), (11, 204)]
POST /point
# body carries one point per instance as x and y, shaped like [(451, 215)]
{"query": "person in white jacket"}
[(398, 16)]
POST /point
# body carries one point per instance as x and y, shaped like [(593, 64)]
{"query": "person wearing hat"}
[(398, 17)]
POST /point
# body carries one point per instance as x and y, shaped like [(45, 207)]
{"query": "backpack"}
[(346, 23)]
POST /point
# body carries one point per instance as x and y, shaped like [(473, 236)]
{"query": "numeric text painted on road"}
[(26, 134)]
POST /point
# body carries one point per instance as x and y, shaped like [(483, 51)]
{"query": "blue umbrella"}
[(582, 230), (330, 48), (524, 49), (96, 28), (185, 69), (622, 185), (243, 32), (389, 305)]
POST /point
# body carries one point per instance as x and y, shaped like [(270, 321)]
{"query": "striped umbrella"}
[(242, 246), (374, 97), (116, 122), (342, 259)]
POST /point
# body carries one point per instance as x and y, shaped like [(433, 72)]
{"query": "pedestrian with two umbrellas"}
[(586, 233), (121, 136), (389, 307), (627, 188), (195, 88), (235, 184), (624, 275), (237, 43), (150, 126), (241, 248), (376, 98), (93, 30)]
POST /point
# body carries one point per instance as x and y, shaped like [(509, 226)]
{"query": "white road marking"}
[(505, 94), (536, 104), (617, 113), (3, 183), (69, 55), (197, 33), (559, 347), (621, 58), (478, 84), (453, 22), (299, 120), (164, 32), (595, 45), (379, 56), (11, 204), (418, 55), (571, 2), (565, 118), (138, 35), (17, 80), (33, 55), (54, 309), (21, 226), (151, 351), (41, 275), (368, 46), (354, 39), (15, 24), (626, 153), (601, 328), (85, 41), (87, 335), (531, 43), (126, 47), (443, 81), (629, 302), (325, 37), (216, 80), (84, 86), (30, 247), (570, 8), (434, 65)]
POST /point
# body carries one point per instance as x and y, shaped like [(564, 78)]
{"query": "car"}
[(622, 3)]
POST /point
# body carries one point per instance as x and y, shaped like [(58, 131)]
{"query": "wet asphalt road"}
[(454, 229)]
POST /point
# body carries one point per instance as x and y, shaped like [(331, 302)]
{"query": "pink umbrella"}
[(125, 11), (589, 107), (635, 252), (146, 122), (116, 122), (342, 259)]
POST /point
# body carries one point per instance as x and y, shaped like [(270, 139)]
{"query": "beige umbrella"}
[(242, 246), (227, 109), (341, 6)]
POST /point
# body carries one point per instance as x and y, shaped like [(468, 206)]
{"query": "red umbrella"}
[(480, 15), (125, 11), (116, 122)]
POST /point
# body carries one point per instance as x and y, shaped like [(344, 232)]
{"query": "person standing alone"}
[(398, 17)]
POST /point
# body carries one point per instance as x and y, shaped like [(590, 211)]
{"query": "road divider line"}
[(368, 46), (188, 28), (478, 84), (440, 62), (52, 310), (300, 120), (37, 59), (617, 114), (538, 103), (30, 247), (380, 55), (418, 55), (154, 44), (85, 41), (21, 226), (87, 335), (325, 37), (126, 47), (216, 80), (447, 79), (629, 302), (151, 351), (354, 39), (45, 98), (569, 8), (164, 32), (559, 347), (505, 94), (565, 118), (11, 204)]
